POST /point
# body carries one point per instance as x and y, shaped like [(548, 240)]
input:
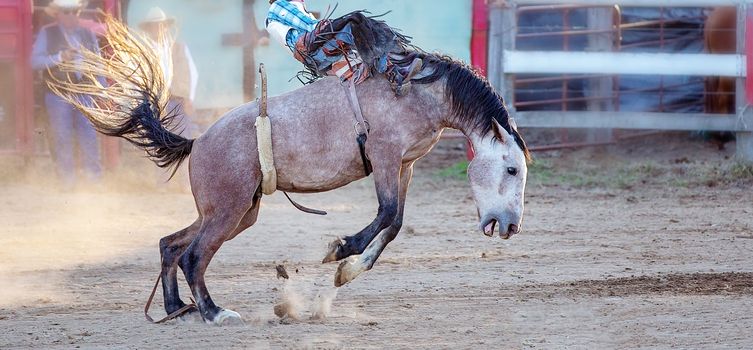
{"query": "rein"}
[(169, 317)]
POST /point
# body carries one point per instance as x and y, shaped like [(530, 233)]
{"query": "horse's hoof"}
[(334, 248), (349, 270), (227, 318)]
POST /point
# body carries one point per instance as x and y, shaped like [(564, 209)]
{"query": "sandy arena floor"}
[(635, 263)]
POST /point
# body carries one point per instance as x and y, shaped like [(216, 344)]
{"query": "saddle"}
[(354, 47)]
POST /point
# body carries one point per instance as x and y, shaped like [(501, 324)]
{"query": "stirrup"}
[(414, 69), (403, 84)]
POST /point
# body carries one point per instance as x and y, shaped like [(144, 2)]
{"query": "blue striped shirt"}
[(289, 14)]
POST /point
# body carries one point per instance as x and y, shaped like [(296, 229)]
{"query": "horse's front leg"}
[(386, 178), (357, 264)]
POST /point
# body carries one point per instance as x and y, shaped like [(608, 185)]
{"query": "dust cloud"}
[(302, 296), (46, 235), (322, 307)]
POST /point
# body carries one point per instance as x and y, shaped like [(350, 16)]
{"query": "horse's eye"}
[(512, 171)]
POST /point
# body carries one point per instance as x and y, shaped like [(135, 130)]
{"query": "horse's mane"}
[(472, 98)]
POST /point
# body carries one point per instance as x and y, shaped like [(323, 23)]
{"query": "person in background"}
[(181, 76), (181, 72), (61, 41)]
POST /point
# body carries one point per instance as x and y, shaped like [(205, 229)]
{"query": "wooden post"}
[(24, 112), (744, 111), (479, 48)]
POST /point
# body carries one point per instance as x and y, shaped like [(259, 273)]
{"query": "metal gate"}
[(507, 62)]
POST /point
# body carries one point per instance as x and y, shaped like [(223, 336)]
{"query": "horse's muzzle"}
[(508, 225)]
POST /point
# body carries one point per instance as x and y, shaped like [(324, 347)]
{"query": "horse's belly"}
[(318, 172)]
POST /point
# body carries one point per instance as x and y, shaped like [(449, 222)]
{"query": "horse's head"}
[(498, 171), (497, 175)]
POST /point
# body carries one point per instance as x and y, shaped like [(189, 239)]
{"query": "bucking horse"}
[(314, 147)]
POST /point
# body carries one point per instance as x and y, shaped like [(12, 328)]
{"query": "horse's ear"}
[(499, 132), (512, 123)]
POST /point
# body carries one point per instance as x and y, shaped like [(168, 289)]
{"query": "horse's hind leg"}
[(249, 219), (214, 231), (222, 221), (171, 248)]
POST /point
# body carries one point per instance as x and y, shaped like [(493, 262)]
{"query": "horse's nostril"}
[(512, 229)]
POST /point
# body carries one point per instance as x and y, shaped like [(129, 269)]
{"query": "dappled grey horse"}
[(315, 150)]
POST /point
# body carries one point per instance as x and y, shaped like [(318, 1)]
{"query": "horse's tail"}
[(124, 93)]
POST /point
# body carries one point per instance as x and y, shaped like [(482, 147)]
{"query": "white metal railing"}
[(505, 61), (568, 62), (635, 3)]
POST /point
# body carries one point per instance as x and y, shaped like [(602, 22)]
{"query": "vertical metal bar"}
[(744, 150), (661, 28), (510, 18), (503, 27), (661, 49), (565, 47), (617, 18), (494, 61), (601, 19), (564, 135)]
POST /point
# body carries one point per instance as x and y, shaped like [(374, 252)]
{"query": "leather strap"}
[(171, 316), (367, 168), (263, 99), (361, 126), (302, 208)]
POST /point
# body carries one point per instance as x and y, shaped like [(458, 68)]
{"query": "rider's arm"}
[(278, 32)]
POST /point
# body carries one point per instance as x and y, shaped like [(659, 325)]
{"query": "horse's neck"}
[(431, 97)]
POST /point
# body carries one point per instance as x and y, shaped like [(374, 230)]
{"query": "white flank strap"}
[(266, 158)]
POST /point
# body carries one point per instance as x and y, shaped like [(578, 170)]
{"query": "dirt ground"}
[(645, 245)]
